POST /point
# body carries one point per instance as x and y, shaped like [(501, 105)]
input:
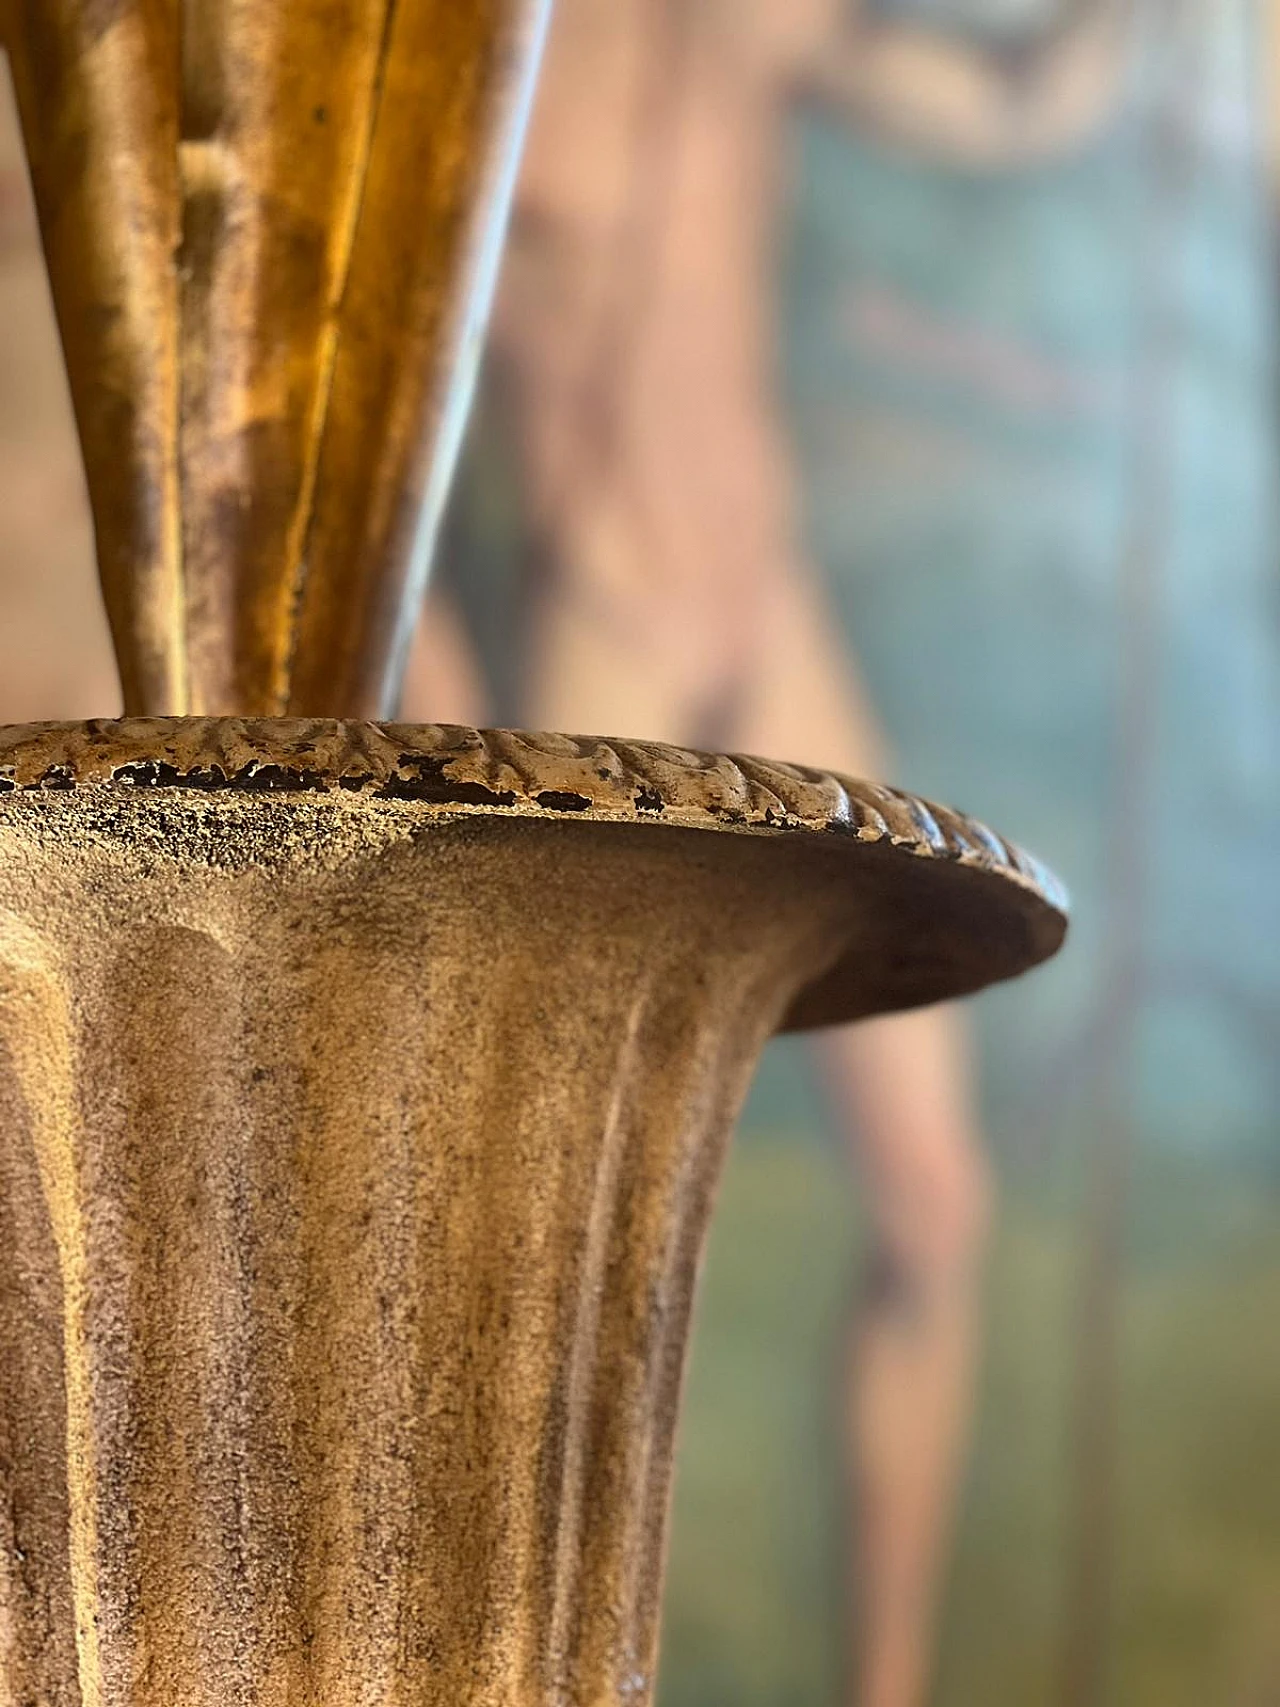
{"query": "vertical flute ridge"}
[(564, 1502), (271, 232), (53, 1596), (357, 1225)]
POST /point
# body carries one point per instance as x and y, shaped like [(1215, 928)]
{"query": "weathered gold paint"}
[(270, 230), (365, 1094)]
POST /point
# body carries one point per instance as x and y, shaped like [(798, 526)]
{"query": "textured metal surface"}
[(362, 1097), (946, 906), (271, 232)]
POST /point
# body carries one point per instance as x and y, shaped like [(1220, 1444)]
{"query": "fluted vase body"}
[(357, 1142)]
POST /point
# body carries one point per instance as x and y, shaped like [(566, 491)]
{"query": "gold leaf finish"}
[(412, 326), (271, 231), (98, 96)]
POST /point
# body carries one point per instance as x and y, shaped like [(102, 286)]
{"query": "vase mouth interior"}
[(945, 906)]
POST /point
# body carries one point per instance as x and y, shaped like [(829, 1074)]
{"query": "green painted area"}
[(757, 1574)]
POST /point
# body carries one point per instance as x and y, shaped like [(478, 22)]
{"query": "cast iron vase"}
[(363, 1092)]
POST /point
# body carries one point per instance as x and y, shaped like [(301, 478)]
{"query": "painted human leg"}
[(914, 1335), (902, 1094)]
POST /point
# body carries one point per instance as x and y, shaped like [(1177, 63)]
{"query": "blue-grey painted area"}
[(960, 363)]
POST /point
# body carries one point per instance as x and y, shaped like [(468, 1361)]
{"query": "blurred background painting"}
[(916, 355)]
